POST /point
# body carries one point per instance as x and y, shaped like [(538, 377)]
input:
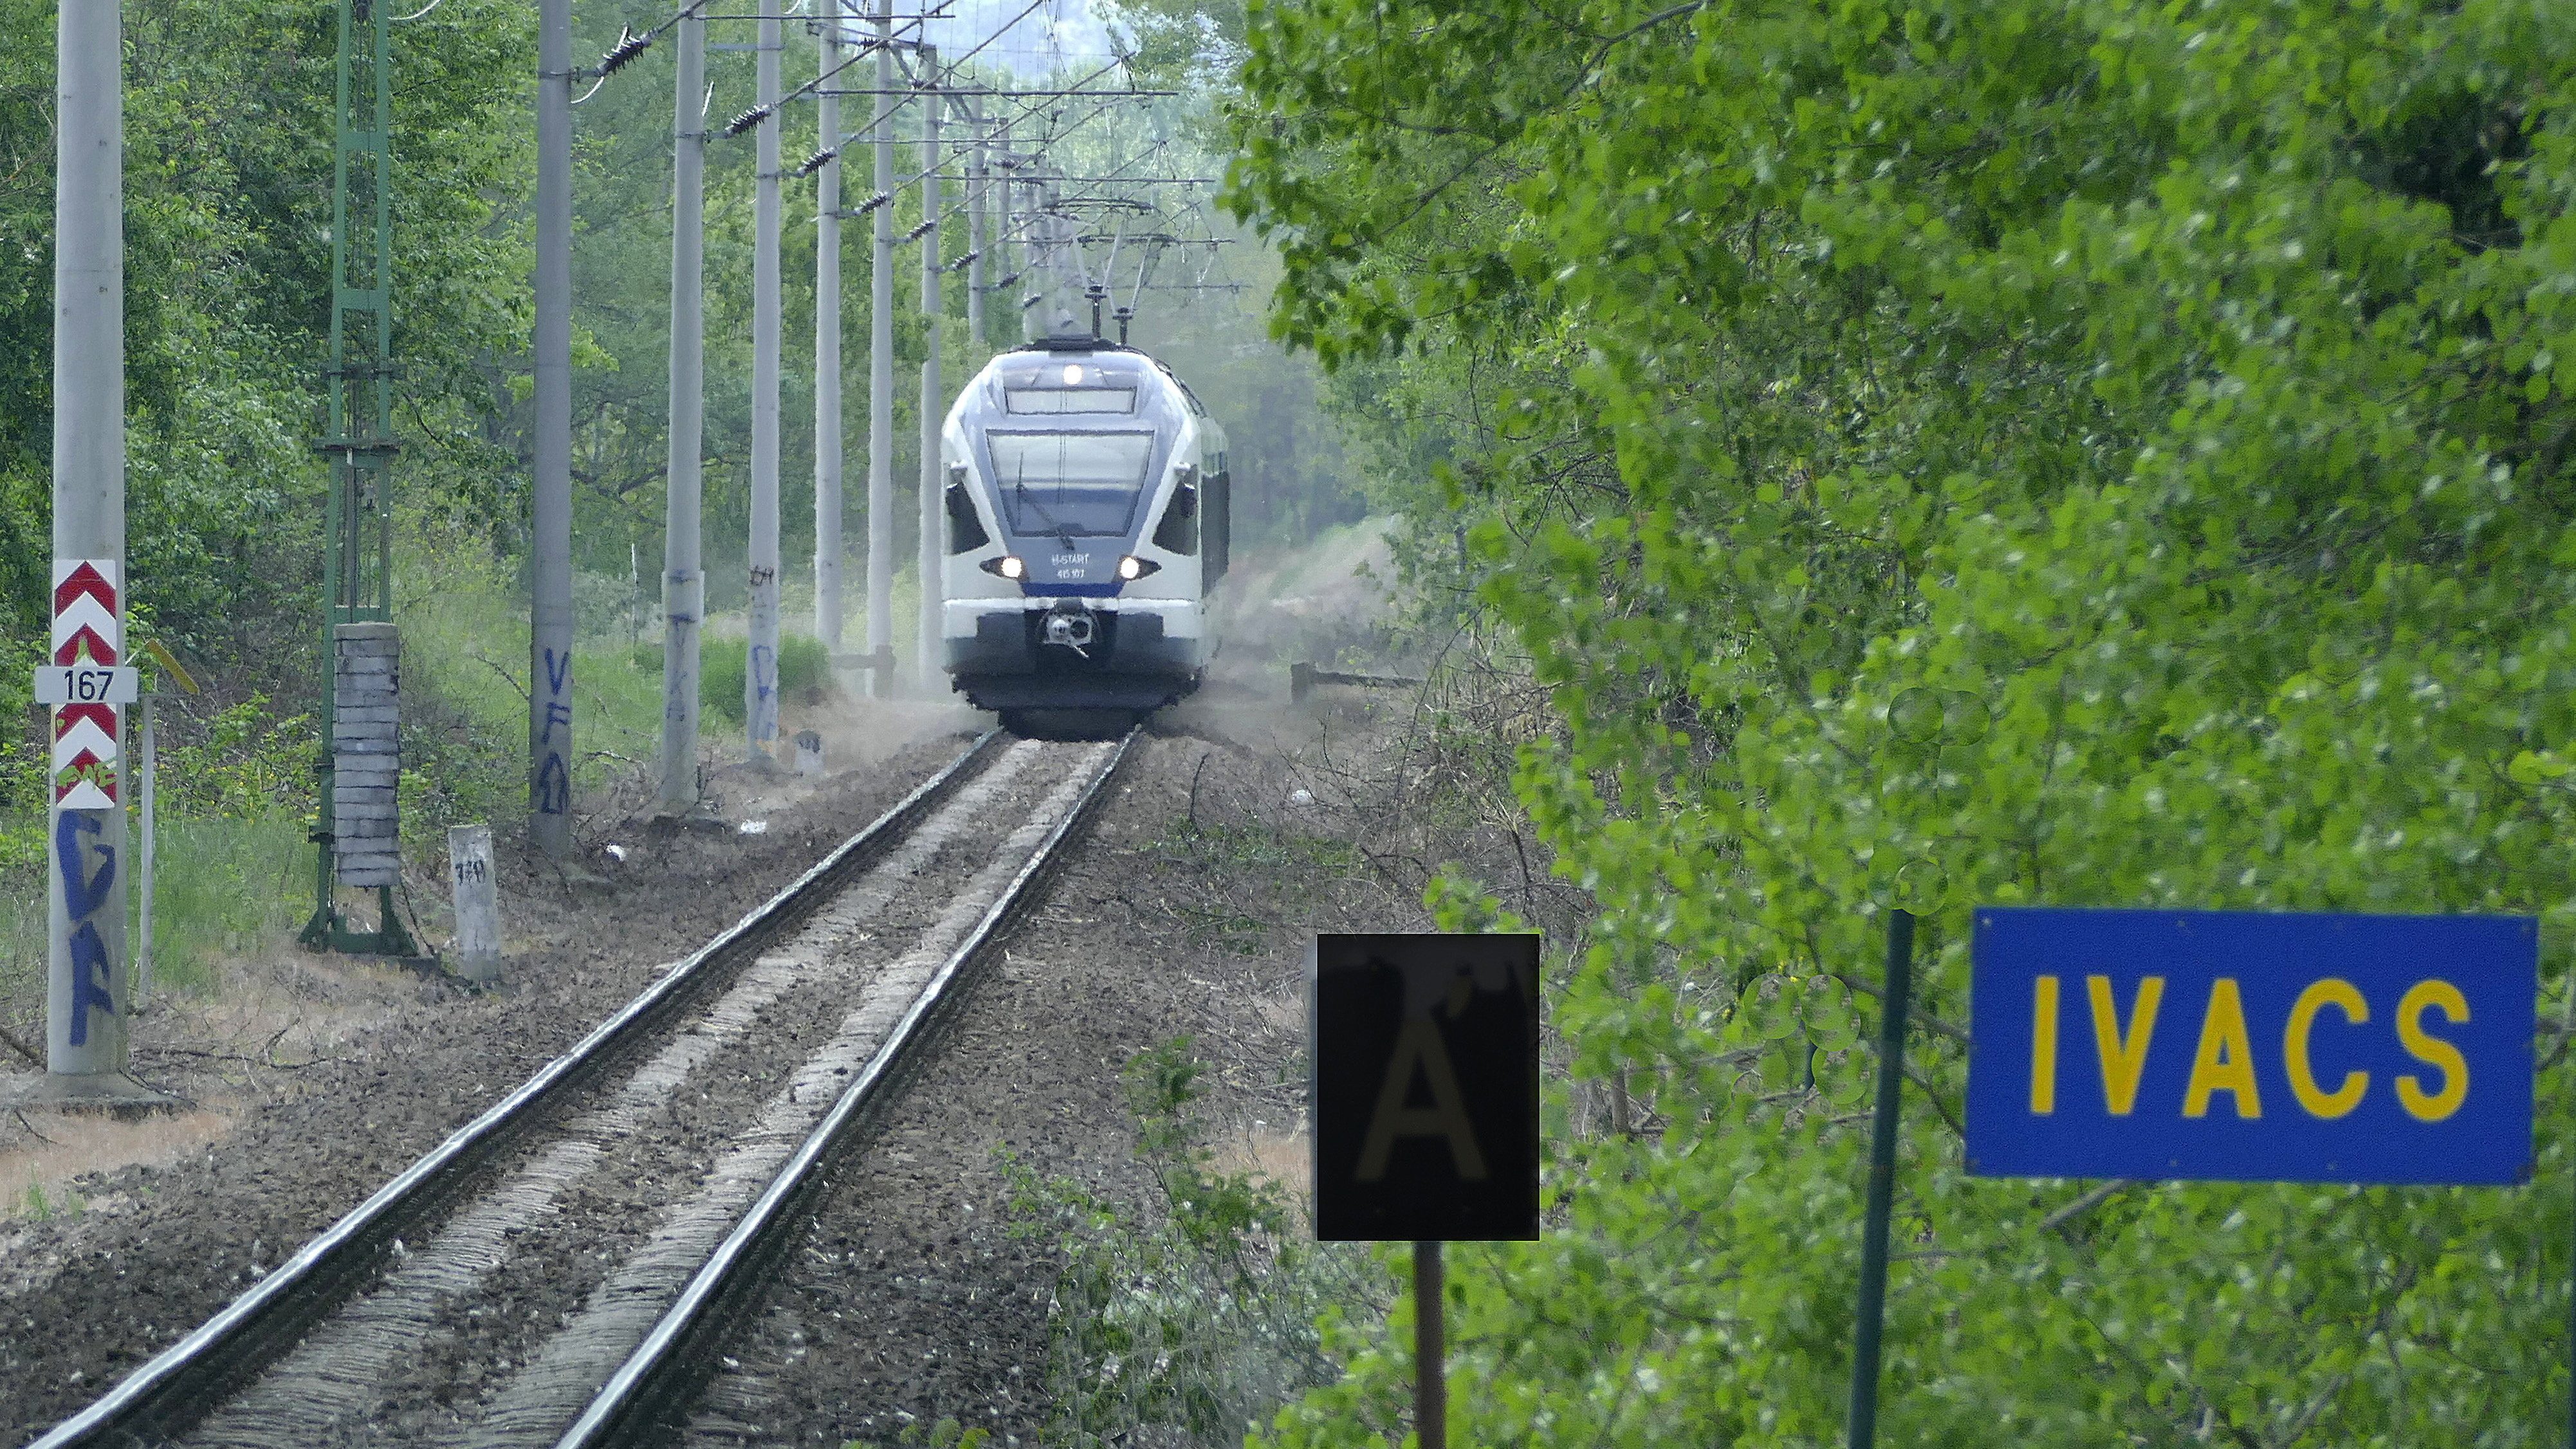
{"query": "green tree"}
[(2105, 454), (228, 198)]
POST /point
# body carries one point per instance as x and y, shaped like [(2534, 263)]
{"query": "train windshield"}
[(1070, 485), (1069, 399)]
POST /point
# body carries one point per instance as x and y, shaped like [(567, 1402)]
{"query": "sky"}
[(1036, 38)]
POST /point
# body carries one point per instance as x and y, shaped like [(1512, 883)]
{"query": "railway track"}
[(560, 1270)]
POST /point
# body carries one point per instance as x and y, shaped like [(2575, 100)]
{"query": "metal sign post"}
[(145, 874), (1863, 1424), (1430, 1349), (1425, 1091)]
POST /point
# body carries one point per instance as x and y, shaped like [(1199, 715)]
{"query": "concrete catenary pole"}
[(550, 533), (684, 580), (881, 369), (934, 404), (86, 997), (978, 236), (827, 343), (1062, 308), (760, 674)]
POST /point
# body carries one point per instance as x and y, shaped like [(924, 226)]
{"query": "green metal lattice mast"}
[(358, 575)]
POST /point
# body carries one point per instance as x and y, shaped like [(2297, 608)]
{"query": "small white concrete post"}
[(478, 904)]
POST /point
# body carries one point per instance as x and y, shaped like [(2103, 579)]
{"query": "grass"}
[(803, 664), (221, 888), (465, 642)]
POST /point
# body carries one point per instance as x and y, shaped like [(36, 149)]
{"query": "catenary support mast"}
[(357, 569), (550, 718), (684, 582), (827, 344), (881, 372), (934, 406), (978, 236), (760, 674), (86, 996)]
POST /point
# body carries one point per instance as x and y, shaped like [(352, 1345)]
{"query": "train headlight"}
[(1008, 566), (1132, 567)]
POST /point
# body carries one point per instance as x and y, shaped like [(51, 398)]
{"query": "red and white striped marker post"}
[(85, 1003), (88, 629)]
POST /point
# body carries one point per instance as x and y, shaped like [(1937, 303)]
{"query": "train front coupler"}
[(1071, 625)]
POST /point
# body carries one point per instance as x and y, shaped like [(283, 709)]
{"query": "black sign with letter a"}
[(1425, 1088)]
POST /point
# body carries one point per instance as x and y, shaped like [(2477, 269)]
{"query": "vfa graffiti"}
[(2251, 1047), (554, 773), (86, 892)]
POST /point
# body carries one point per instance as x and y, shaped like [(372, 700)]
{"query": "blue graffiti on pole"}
[(554, 786), (764, 678), (554, 776), (84, 894)]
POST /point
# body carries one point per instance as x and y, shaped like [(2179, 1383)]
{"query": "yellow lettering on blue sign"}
[(2225, 1060), (2123, 1050), (2432, 1051), (2043, 1046), (2336, 992)]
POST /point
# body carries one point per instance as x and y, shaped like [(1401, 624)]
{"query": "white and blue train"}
[(1087, 519)]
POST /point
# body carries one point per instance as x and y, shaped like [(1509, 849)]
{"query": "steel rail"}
[(669, 1367), (180, 1385)]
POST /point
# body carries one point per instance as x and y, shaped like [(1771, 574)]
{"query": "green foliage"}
[(227, 191), (224, 887), (943, 1434), (465, 679), (243, 762), (803, 665), (2101, 454), (1201, 1317)]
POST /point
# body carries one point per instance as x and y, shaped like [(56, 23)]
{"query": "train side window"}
[(1179, 530), (1217, 527), (965, 530)]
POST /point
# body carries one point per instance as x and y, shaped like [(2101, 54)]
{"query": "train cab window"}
[(965, 530), (1070, 485), (1034, 401), (1179, 530)]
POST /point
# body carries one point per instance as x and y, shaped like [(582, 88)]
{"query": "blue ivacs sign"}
[(2251, 1047)]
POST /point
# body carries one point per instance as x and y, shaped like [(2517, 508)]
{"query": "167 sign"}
[(87, 684)]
